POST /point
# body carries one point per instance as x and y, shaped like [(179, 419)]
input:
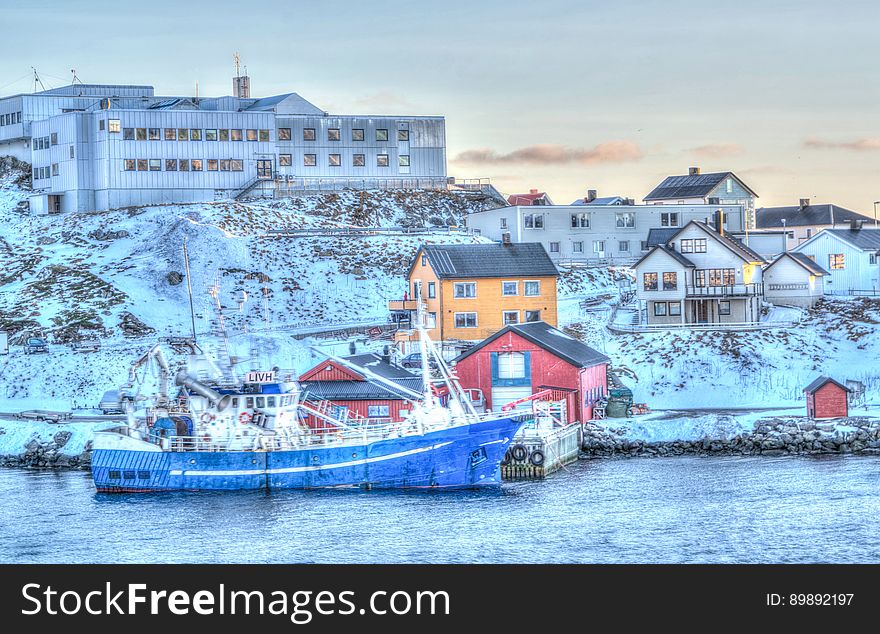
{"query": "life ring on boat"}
[(244, 418), (537, 457), (207, 418), (518, 453), (506, 459)]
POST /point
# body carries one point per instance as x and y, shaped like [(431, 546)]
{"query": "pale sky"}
[(561, 96)]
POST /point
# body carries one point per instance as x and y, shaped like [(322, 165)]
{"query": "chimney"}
[(630, 202), (505, 238), (352, 347), (855, 224), (533, 191), (386, 354), (693, 171), (805, 202), (719, 221), (591, 195)]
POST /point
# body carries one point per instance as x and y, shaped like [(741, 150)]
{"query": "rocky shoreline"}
[(770, 437), (49, 455)]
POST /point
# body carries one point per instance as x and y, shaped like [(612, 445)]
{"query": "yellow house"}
[(471, 291)]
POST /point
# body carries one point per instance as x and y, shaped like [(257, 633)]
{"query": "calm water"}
[(641, 510)]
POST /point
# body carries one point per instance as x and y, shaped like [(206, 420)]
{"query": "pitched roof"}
[(691, 186), (457, 261), (374, 363), (864, 239), (668, 251), (525, 199), (359, 390), (661, 236), (803, 260), (796, 216), (550, 339), (739, 248), (604, 200), (822, 380)]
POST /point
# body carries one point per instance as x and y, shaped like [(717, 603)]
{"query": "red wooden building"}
[(826, 398), (523, 359), (351, 393)]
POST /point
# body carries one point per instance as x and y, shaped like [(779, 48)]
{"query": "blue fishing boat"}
[(227, 434)]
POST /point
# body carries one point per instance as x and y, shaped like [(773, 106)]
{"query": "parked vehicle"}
[(87, 345), (110, 403), (414, 360), (35, 345)]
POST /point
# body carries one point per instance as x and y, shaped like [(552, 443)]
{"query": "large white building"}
[(111, 146)]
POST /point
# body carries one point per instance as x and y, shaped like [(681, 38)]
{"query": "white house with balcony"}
[(851, 257), (700, 276)]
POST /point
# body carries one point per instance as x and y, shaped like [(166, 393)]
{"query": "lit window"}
[(114, 125), (381, 134), (309, 134), (333, 134), (403, 135), (310, 160), (465, 320), (170, 165), (154, 134), (403, 160), (155, 165), (170, 134), (382, 160), (358, 160), (285, 160), (284, 134), (334, 160), (129, 165), (511, 365), (213, 164), (510, 317), (142, 165), (465, 290), (195, 165), (836, 261), (509, 288), (357, 134), (650, 281), (251, 135), (670, 281), (235, 135), (210, 135), (264, 136)]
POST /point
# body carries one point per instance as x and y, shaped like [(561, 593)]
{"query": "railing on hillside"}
[(873, 292), (596, 262), (730, 290), (288, 183), (367, 231), (737, 326)]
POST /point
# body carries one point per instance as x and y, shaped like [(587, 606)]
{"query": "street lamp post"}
[(876, 202)]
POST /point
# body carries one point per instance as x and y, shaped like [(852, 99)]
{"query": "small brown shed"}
[(826, 398)]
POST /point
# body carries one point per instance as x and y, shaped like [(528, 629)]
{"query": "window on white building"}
[(836, 261), (669, 219), (334, 160), (625, 220), (333, 134), (285, 160), (554, 247), (577, 247), (381, 160), (623, 246), (114, 125), (358, 160), (357, 134), (155, 165), (382, 134), (310, 160), (533, 221), (403, 135), (580, 221), (403, 160)]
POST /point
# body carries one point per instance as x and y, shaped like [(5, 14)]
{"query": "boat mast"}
[(189, 288)]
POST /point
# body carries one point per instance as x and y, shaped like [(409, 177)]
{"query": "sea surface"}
[(687, 509)]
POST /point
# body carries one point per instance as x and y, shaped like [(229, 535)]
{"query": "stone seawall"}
[(770, 437), (41, 445), (49, 455)]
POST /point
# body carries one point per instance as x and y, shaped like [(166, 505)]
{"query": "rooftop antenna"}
[(75, 78), (237, 59), (37, 80)]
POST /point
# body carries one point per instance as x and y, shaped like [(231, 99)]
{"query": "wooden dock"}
[(534, 455)]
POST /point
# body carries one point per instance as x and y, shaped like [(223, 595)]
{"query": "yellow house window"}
[(465, 290), (532, 288)]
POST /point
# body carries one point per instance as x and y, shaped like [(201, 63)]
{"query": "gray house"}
[(594, 234), (802, 221), (718, 188), (851, 257), (700, 276)]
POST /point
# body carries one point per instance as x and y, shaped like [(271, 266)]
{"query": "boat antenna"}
[(189, 288)]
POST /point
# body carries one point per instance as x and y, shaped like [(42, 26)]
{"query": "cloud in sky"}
[(717, 150), (859, 145), (551, 154)]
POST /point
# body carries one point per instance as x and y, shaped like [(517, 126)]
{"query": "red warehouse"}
[(350, 393), (826, 398), (523, 359)]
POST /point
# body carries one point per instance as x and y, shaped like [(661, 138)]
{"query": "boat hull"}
[(468, 456)]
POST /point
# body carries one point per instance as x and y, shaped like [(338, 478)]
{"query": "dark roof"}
[(373, 362), (864, 239), (525, 199), (741, 249), (804, 261), (822, 380), (687, 186), (796, 216), (550, 339), (359, 390), (660, 237), (668, 251), (457, 261), (603, 200)]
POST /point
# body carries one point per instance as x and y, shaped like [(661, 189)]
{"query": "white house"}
[(700, 276), (851, 256), (717, 188), (794, 279)]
